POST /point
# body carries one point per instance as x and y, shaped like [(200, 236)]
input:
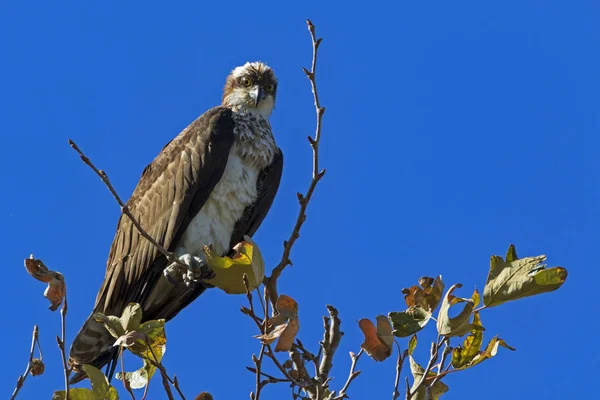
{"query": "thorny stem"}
[(61, 344), (124, 209), (351, 376), (271, 282), (21, 380)]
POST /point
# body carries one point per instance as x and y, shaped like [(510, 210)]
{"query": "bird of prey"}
[(211, 185)]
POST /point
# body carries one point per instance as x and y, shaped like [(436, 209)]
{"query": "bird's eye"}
[(269, 88), (245, 81)]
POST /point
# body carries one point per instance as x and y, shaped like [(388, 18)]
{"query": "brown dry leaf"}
[(377, 339), (55, 292), (287, 306), (270, 337), (285, 324), (427, 296), (286, 340)]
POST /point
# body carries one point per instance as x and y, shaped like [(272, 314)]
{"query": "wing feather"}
[(170, 192)]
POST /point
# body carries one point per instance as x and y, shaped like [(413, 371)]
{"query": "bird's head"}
[(253, 87)]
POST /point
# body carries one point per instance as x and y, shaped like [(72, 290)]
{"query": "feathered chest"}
[(253, 150)]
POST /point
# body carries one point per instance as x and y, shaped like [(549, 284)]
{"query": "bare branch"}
[(258, 364), (351, 376), (330, 342), (124, 209), (32, 363), (271, 282)]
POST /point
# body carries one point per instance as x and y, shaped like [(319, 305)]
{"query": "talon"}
[(192, 276)]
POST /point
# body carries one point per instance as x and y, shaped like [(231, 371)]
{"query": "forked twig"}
[(124, 209), (31, 364), (351, 376)]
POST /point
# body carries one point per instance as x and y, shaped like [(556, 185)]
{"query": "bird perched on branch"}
[(210, 185)]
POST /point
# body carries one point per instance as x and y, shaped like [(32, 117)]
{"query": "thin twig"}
[(271, 282), (440, 366), (269, 353), (434, 352), (351, 376), (61, 343), (401, 357), (146, 390), (250, 311), (124, 209), (166, 378), (31, 363), (271, 378), (125, 383), (479, 309), (258, 364), (165, 381)]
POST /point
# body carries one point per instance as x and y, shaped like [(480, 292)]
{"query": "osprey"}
[(211, 185)]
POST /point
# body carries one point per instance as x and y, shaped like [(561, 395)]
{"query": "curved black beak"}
[(258, 94)]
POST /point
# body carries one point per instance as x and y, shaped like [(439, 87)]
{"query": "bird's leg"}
[(197, 270)]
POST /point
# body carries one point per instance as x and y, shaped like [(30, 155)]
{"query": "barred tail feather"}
[(92, 345)]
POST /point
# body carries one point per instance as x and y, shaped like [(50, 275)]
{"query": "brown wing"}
[(172, 189)]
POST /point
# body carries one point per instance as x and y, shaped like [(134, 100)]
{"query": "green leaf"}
[(463, 355), (490, 351), (412, 344), (438, 389), (476, 298), (520, 278), (131, 317), (154, 332), (101, 389), (511, 254), (100, 386), (229, 271), (406, 323), (459, 325), (112, 324), (74, 394)]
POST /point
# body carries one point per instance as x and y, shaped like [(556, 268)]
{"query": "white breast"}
[(215, 222)]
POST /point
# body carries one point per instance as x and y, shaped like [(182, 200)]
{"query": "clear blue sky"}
[(451, 131)]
